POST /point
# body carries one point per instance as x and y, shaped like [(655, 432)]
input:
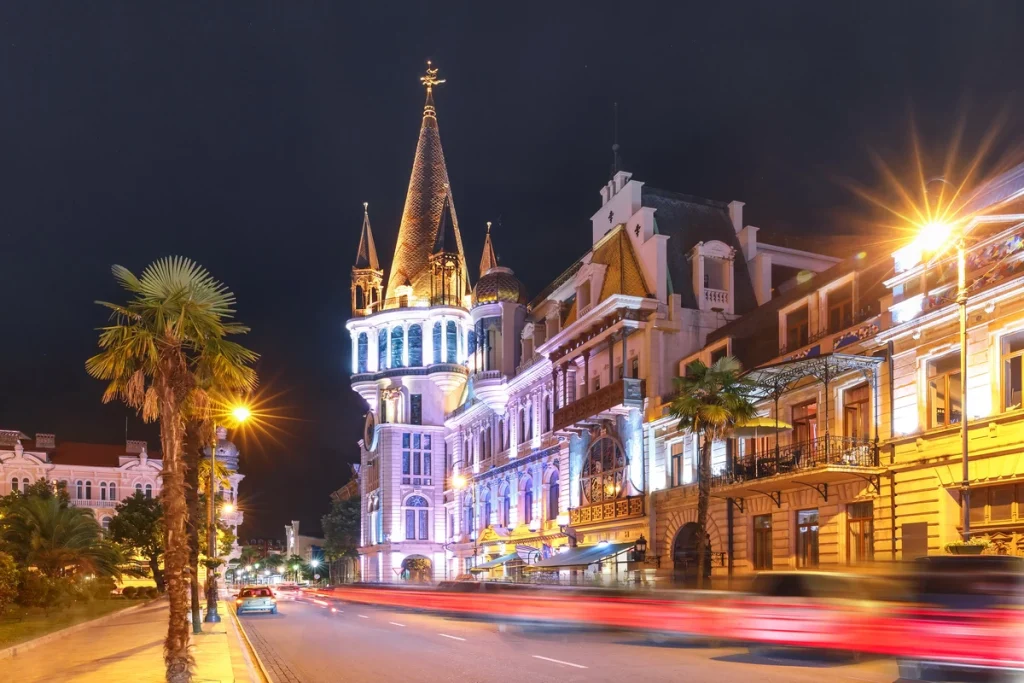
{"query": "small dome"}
[(499, 284), (227, 452)]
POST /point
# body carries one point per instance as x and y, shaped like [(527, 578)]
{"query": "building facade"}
[(507, 439)]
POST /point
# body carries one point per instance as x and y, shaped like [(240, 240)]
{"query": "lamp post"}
[(933, 238), (240, 415)]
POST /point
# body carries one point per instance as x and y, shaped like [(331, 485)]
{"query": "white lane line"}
[(395, 623), (445, 635), (559, 661), (363, 616)]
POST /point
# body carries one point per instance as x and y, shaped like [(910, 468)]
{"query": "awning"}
[(582, 557), (775, 378), (495, 563)]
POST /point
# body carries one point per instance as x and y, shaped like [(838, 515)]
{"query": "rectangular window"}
[(994, 504), (797, 330), (416, 471), (1000, 503), (860, 539), (807, 538), (840, 308), (676, 464), (805, 422), (406, 466), (410, 525), (944, 391), (424, 527), (416, 409), (857, 413), (763, 542), (719, 353), (1012, 348), (426, 465)]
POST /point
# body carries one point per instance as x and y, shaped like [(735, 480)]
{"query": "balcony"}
[(716, 298), (625, 393), (611, 511), (91, 503), (409, 372), (814, 463)]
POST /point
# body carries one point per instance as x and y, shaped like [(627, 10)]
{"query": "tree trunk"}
[(158, 576), (177, 660), (703, 502), (192, 449)]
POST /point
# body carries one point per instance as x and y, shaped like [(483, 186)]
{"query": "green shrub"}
[(102, 587), (34, 590), (130, 592), (8, 581), (152, 593)]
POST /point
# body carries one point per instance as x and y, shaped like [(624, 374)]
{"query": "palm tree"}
[(710, 402), (59, 541), (158, 355)]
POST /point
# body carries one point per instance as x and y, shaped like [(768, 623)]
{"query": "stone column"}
[(586, 372), (625, 355)]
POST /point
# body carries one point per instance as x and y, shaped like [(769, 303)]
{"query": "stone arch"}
[(676, 520), (417, 569)]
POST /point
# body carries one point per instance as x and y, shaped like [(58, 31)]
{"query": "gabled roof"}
[(688, 220), (623, 274), (366, 256), (488, 259)]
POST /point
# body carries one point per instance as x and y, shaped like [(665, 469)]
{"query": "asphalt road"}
[(311, 643)]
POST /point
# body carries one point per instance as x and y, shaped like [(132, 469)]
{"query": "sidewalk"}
[(129, 649)]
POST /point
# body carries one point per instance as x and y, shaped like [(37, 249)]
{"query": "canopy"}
[(495, 563), (582, 557), (760, 426)]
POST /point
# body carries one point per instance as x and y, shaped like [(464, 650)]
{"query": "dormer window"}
[(713, 275)]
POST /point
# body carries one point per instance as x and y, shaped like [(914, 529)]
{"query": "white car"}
[(286, 591)]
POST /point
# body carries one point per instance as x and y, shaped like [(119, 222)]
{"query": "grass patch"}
[(19, 624)]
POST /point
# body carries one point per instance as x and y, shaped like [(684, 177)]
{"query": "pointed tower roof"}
[(445, 242), (366, 257), (426, 199), (488, 260)]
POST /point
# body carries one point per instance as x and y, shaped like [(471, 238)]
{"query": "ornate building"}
[(507, 439)]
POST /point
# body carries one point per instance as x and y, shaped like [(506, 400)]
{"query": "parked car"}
[(258, 599), (977, 600), (287, 591)]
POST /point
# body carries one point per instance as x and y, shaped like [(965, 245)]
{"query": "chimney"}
[(45, 441), (133, 447), (736, 215)]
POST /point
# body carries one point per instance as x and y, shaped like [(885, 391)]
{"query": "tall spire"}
[(488, 260), (428, 192), (445, 242), (366, 257)]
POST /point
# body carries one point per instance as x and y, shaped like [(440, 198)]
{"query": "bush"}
[(101, 588), (130, 592), (152, 593), (34, 590), (8, 581)]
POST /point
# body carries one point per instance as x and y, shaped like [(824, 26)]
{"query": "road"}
[(312, 643)]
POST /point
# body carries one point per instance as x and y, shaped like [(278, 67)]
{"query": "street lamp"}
[(227, 508), (240, 413), (933, 238), (640, 549)]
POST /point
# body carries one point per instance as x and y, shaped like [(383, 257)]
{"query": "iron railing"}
[(800, 456)]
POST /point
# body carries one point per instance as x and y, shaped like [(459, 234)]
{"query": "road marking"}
[(363, 616), (395, 623), (445, 635), (559, 661)]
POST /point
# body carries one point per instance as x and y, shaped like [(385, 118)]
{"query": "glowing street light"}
[(459, 481), (280, 570), (227, 508), (314, 563), (241, 413)]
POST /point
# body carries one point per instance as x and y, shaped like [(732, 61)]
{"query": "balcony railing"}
[(409, 372), (801, 456), (716, 297), (92, 503), (624, 392), (624, 508)]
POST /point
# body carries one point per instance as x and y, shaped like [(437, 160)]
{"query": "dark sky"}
[(246, 135)]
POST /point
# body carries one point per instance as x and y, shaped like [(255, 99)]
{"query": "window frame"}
[(944, 376)]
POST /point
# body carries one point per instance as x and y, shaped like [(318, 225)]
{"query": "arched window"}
[(88, 490), (14, 484), (24, 484), (437, 342), (490, 442), (417, 519), (486, 521), (501, 435), (397, 346), (483, 444), (415, 346), (376, 524), (138, 488), (105, 523), (79, 491), (605, 472), (113, 491), (382, 349), (149, 490), (471, 343), (553, 497), (453, 342), (506, 507), (362, 352), (528, 501), (103, 490)]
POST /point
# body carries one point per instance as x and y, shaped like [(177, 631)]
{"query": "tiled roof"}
[(366, 256), (91, 454), (624, 275), (688, 220)]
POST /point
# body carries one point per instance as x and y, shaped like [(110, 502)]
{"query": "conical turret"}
[(488, 260), (424, 203), (367, 275)]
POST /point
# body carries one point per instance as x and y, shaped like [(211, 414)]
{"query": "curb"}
[(15, 650), (250, 651)]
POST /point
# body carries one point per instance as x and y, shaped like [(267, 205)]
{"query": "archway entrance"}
[(684, 556), (417, 569)]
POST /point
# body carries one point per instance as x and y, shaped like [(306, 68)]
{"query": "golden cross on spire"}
[(431, 79)]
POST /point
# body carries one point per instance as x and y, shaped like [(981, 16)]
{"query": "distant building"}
[(306, 547)]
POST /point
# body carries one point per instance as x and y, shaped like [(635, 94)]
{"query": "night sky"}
[(246, 135)]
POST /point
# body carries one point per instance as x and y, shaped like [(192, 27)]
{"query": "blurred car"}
[(258, 599), (287, 591), (969, 610)]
